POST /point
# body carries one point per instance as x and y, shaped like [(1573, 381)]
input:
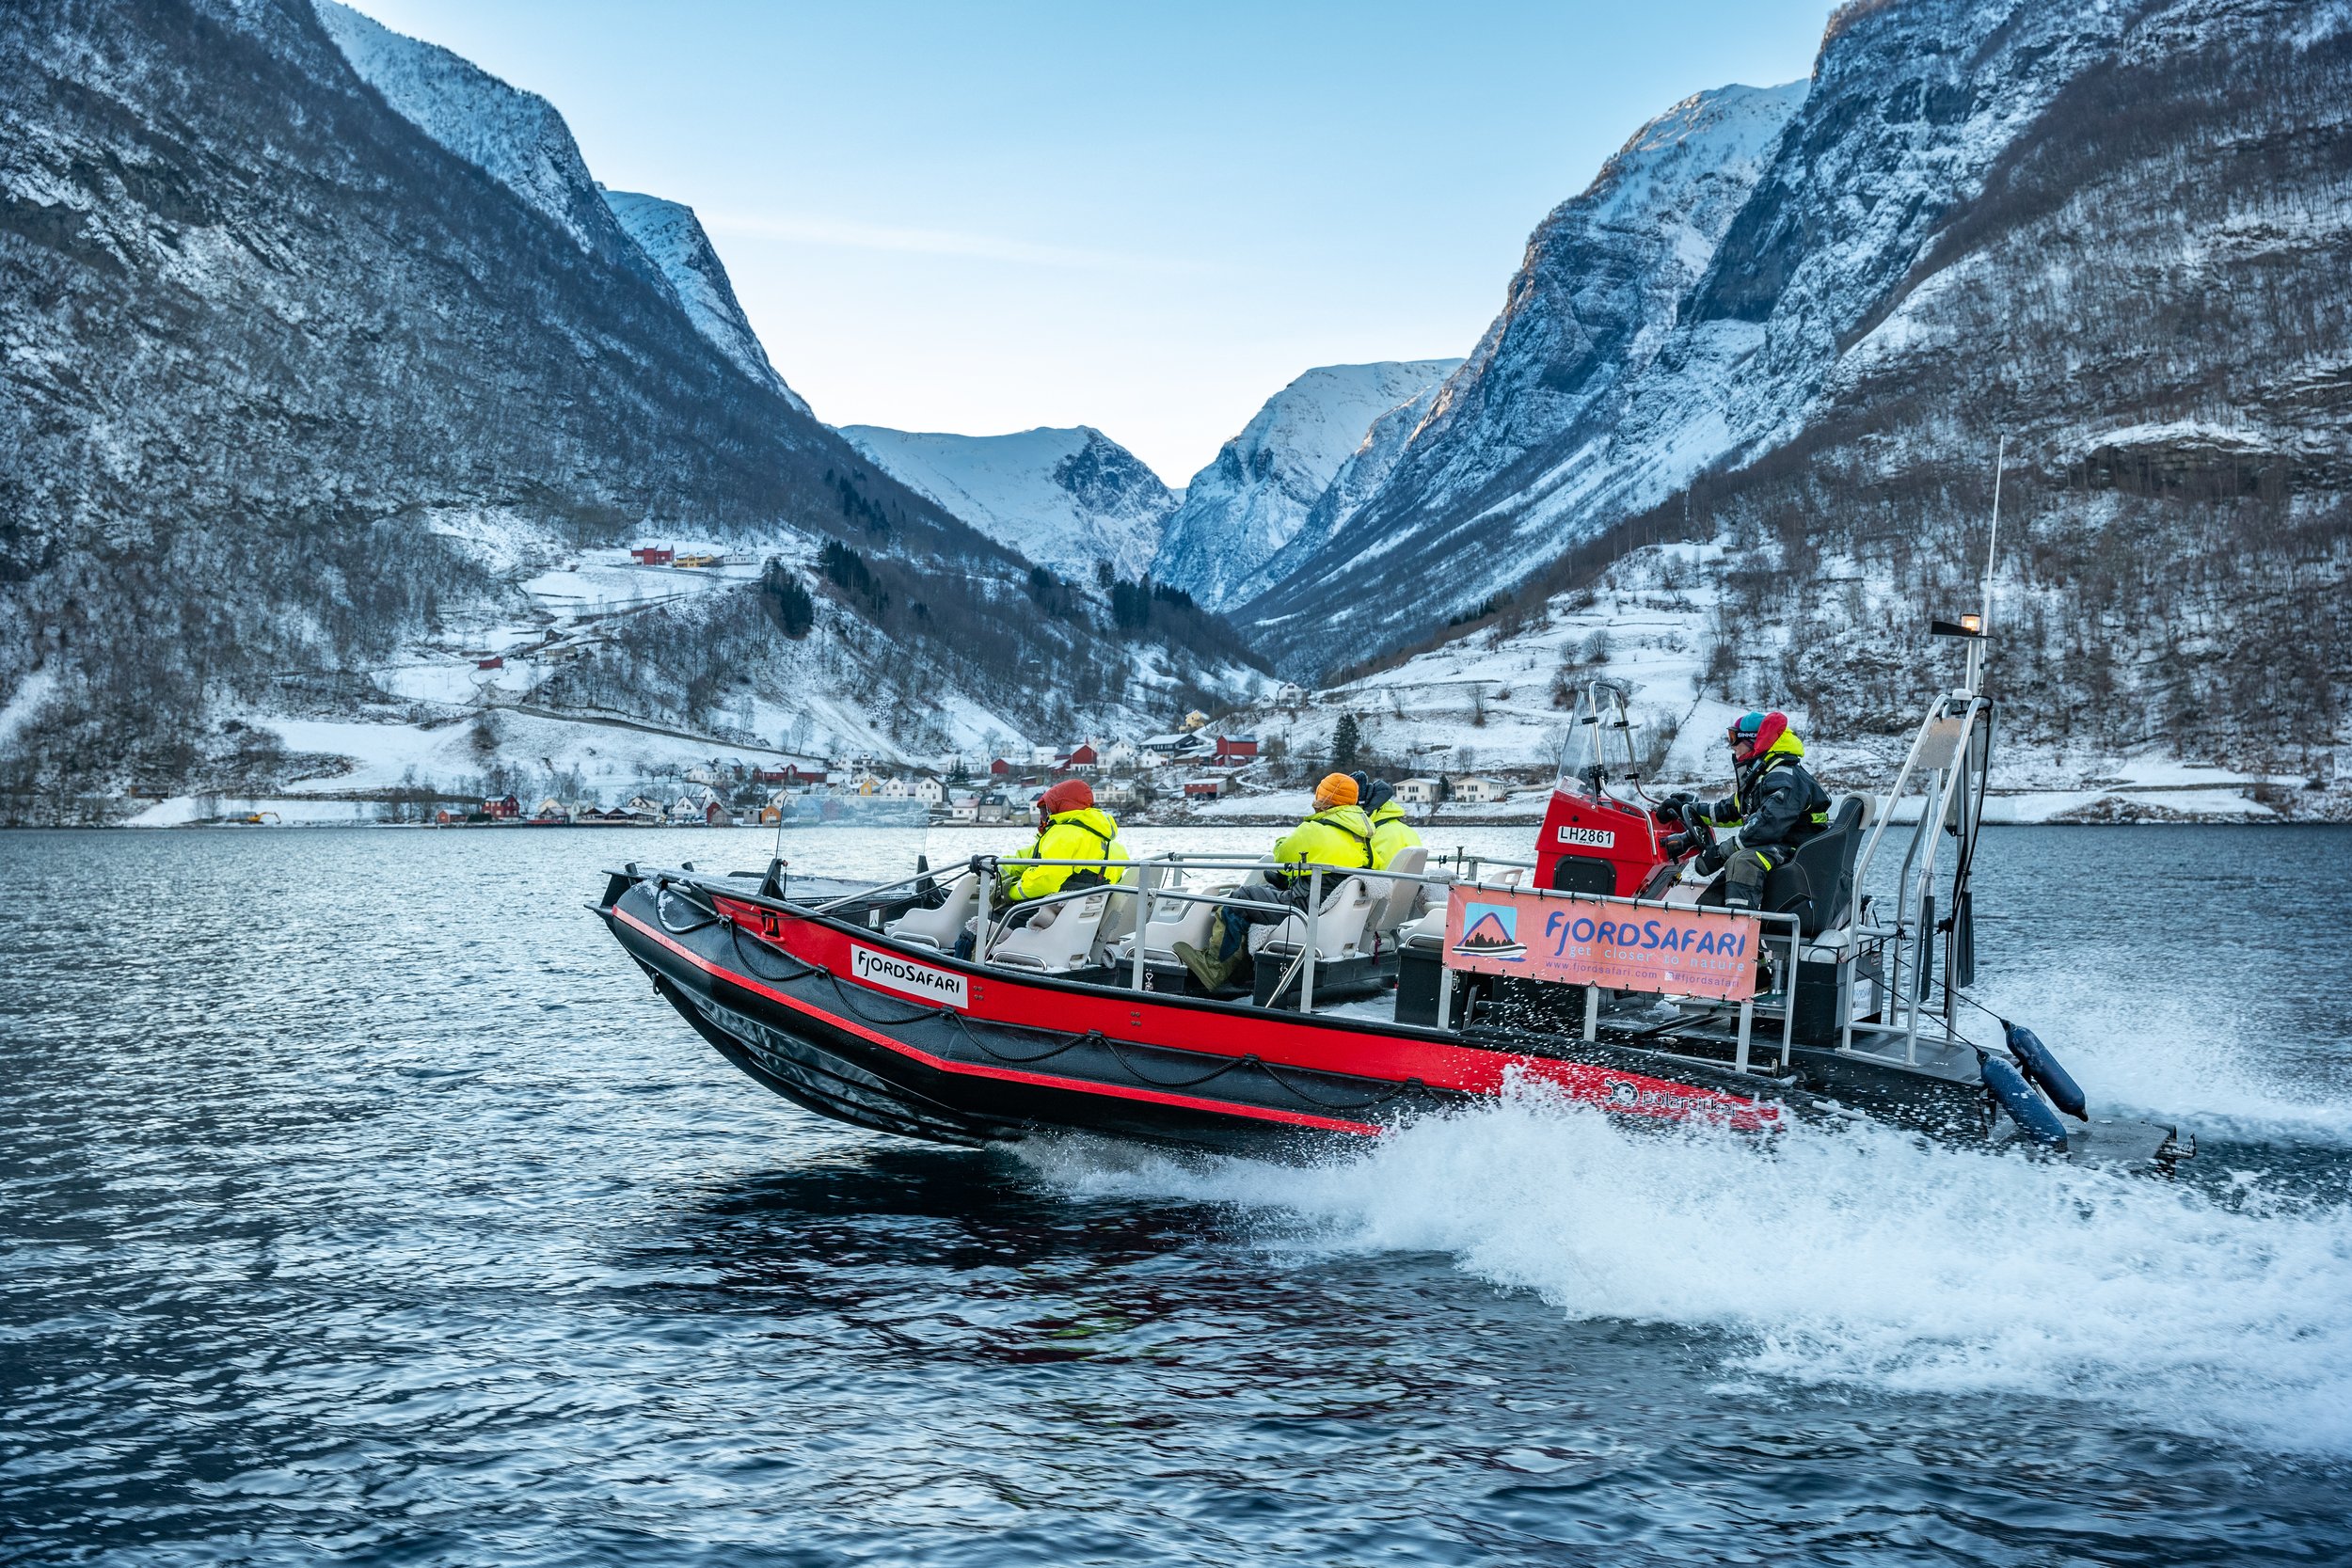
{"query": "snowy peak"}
[(1066, 498), (1241, 510), (515, 137), (1542, 399), (673, 238)]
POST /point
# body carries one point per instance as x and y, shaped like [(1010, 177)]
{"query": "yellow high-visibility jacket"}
[(1391, 832), (1341, 836), (1073, 835)]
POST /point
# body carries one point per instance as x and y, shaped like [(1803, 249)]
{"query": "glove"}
[(1711, 860), (1678, 844)]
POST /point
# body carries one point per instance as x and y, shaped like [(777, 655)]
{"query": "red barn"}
[(653, 555), (1233, 751)]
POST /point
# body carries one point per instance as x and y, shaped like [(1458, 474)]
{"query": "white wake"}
[(1849, 1254)]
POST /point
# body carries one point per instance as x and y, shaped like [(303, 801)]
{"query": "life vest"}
[(1340, 836), (1390, 835), (1089, 834)]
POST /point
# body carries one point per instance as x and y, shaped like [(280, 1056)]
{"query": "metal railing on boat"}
[(987, 867)]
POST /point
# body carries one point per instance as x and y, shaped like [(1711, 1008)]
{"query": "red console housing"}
[(1592, 843)]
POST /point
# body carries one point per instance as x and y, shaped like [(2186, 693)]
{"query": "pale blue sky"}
[(1145, 218)]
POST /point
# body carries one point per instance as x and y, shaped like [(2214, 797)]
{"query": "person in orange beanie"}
[(1336, 834)]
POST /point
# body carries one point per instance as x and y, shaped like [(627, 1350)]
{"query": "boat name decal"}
[(1592, 838), (890, 972), (1572, 940)]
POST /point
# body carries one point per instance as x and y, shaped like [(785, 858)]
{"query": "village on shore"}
[(1192, 773)]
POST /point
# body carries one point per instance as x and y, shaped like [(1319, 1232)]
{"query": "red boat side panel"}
[(975, 1069), (1283, 1039)]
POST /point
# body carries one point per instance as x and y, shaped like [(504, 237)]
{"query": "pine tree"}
[(1347, 744)]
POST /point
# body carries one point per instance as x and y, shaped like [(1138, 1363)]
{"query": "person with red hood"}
[(1775, 804), (1069, 827)]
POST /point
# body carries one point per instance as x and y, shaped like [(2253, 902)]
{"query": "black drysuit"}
[(1778, 805)]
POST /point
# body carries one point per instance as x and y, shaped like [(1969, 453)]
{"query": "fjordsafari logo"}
[(1490, 931)]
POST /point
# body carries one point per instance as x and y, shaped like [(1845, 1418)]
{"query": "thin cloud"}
[(850, 235)]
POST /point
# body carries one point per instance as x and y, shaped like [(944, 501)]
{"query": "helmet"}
[(1755, 733)]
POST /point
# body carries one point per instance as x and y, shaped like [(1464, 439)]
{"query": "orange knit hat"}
[(1336, 789)]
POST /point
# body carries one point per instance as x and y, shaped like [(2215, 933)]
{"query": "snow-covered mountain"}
[(519, 140), (1066, 498), (1240, 511), (1799, 321), (515, 136), (673, 238), (308, 419), (1594, 304)]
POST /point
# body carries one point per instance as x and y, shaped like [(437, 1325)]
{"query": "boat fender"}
[(2043, 1068), (2028, 1109)]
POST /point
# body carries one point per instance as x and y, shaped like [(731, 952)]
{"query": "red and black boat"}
[(1602, 971)]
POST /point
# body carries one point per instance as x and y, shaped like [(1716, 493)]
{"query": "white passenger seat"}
[(1401, 898), (1341, 927), (940, 928)]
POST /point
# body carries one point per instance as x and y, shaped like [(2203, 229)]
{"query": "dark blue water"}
[(359, 1204)]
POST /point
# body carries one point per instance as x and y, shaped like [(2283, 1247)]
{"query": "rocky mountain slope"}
[(2113, 234), (673, 238), (1071, 499), (297, 397), (1240, 511)]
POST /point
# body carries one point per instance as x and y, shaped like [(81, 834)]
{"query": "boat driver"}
[(1776, 805), (1337, 833)]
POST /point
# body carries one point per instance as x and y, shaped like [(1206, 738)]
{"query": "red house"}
[(1233, 751), (653, 555), (1081, 758), (496, 661), (1203, 789), (999, 768), (504, 807)]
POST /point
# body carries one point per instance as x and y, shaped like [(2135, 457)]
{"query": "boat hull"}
[(774, 987)]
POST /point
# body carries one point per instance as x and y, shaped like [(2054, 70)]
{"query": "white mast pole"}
[(1984, 607)]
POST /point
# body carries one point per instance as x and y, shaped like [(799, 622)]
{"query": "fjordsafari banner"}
[(1582, 942)]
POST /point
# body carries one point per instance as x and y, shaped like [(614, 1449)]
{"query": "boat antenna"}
[(1992, 545)]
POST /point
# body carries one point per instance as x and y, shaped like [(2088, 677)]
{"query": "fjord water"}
[(360, 1203)]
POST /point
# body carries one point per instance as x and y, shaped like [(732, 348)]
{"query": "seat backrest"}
[(1825, 865), (1066, 942), (1118, 921), (1398, 905), (1425, 932), (940, 928), (1342, 926)]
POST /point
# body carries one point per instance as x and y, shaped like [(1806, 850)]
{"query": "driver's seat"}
[(1817, 883)]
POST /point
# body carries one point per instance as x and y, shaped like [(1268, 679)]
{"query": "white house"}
[(1472, 790), (931, 792), (1289, 694), (1416, 792), (894, 789), (963, 808)]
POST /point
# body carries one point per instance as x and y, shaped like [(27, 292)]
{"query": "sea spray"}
[(1846, 1255)]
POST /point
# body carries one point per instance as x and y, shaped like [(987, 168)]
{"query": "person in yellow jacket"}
[(1391, 834), (1069, 827), (1336, 834)]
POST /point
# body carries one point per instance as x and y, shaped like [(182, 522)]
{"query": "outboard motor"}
[(2043, 1068)]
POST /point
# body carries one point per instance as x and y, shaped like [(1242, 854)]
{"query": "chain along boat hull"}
[(847, 1022)]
